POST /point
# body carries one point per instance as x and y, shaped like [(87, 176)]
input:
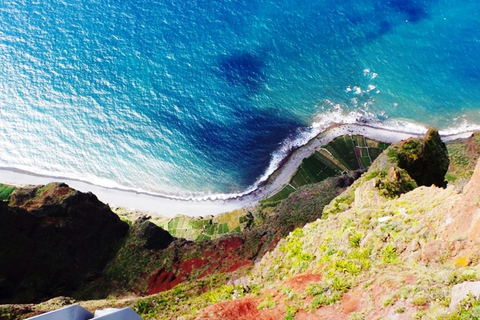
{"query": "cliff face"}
[(52, 239), (391, 246), (145, 269)]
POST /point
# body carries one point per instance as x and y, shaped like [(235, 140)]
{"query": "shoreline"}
[(169, 207)]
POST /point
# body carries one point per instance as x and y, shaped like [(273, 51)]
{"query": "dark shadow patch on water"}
[(243, 70), (383, 28), (472, 73), (385, 16), (244, 145), (379, 30), (412, 10)]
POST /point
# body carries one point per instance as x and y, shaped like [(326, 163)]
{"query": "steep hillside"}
[(384, 249), (391, 246)]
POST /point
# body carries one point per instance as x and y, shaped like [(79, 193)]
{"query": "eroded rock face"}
[(53, 238), (464, 218), (462, 290)]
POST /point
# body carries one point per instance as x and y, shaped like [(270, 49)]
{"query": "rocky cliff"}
[(52, 240)]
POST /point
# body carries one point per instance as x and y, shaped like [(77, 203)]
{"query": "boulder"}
[(461, 291)]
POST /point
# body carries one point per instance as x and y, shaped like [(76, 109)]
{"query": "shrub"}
[(267, 303), (389, 253), (290, 312)]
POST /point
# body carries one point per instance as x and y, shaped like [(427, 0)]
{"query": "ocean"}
[(203, 99)]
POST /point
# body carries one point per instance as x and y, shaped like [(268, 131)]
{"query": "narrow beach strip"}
[(169, 207)]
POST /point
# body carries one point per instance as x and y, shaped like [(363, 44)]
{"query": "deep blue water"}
[(194, 98)]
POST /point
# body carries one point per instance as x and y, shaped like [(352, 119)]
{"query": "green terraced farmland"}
[(343, 148), (5, 191), (282, 194), (210, 227), (342, 154), (314, 169), (345, 153)]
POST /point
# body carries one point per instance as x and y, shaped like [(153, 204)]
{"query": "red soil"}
[(299, 283), (224, 258), (194, 263), (163, 280)]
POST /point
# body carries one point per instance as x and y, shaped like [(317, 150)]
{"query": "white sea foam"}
[(333, 116)]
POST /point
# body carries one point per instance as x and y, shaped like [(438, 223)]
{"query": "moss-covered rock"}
[(425, 159), (411, 163), (401, 168)]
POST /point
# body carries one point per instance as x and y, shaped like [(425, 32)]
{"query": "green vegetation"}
[(463, 157), (395, 182), (5, 191), (7, 313), (187, 299), (346, 153), (389, 253), (290, 312), (469, 309), (267, 302)]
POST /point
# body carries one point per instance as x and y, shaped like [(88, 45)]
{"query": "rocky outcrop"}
[(463, 219), (52, 239), (411, 163), (403, 167), (472, 145), (152, 235), (426, 160)]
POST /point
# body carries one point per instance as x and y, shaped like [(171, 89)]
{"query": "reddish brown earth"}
[(355, 300), (162, 281), (240, 309), (227, 256)]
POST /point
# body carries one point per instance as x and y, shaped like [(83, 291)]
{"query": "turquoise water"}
[(204, 98)]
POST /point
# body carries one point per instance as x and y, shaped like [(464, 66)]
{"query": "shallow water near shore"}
[(204, 98)]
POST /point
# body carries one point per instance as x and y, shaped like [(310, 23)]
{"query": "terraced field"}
[(5, 191), (346, 153)]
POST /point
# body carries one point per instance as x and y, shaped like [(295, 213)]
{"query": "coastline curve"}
[(272, 181)]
